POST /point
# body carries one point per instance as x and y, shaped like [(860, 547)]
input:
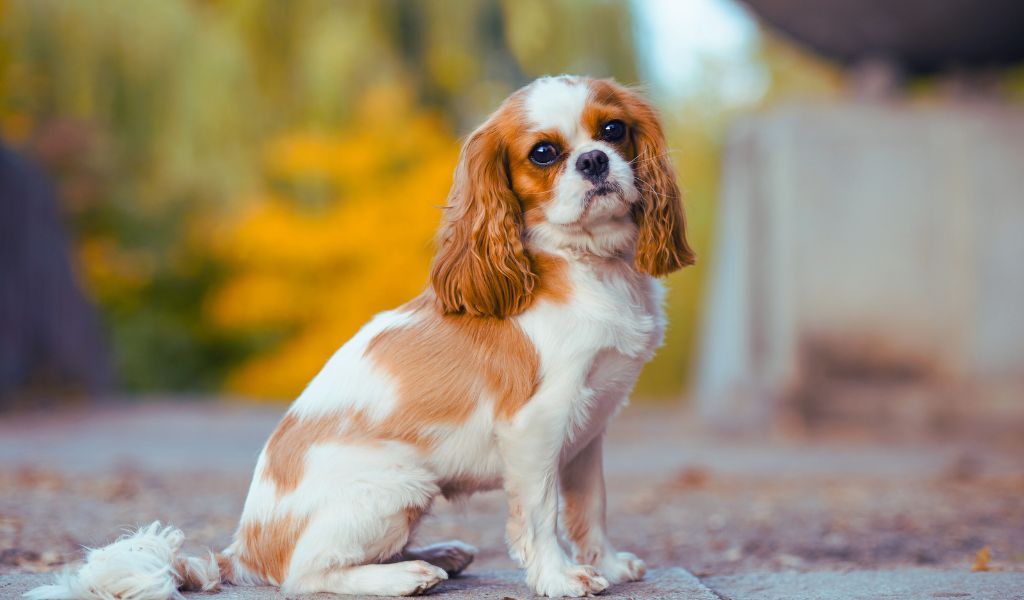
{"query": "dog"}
[(543, 306)]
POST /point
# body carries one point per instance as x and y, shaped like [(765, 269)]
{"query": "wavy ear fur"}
[(661, 246), (482, 268)]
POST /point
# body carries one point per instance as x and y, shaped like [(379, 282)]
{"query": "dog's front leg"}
[(583, 516), (531, 447)]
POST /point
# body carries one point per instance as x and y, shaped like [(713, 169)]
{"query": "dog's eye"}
[(544, 153), (613, 131)]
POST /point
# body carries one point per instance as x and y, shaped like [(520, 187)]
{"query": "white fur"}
[(556, 103), (139, 566), (352, 495), (591, 352), (349, 376), (355, 496), (467, 456), (407, 578)]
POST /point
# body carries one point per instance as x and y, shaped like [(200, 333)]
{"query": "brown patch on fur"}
[(605, 105), (294, 436), (191, 574), (458, 488), (553, 277), (534, 184), (286, 450), (576, 516), (412, 514), (226, 568), (444, 364), (392, 428), (267, 547)]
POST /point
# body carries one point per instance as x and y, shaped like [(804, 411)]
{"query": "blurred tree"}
[(149, 91), (594, 37), (210, 128)]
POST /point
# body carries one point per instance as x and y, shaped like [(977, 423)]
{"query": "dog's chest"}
[(626, 315), (617, 313), (593, 347)]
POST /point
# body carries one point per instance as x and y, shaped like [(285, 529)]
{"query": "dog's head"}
[(565, 162)]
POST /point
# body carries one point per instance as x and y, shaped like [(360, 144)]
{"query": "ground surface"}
[(662, 584), (752, 518)]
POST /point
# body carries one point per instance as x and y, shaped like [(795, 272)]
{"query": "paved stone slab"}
[(643, 443), (660, 584), (904, 584)]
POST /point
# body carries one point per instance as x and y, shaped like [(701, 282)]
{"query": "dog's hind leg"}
[(406, 578), (363, 504)]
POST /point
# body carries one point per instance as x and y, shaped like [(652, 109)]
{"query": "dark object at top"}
[(919, 36)]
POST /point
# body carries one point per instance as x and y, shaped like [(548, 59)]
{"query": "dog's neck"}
[(613, 240)]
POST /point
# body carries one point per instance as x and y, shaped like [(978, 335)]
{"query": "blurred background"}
[(208, 198), (200, 200)]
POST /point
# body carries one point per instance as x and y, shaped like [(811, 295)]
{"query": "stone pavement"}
[(660, 584), (678, 584), (754, 519), (903, 584), (643, 443)]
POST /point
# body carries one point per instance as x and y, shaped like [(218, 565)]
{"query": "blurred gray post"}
[(869, 258), (872, 240)]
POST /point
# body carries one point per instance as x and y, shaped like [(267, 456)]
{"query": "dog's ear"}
[(661, 241), (482, 267)]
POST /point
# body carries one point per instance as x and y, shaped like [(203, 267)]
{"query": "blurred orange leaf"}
[(981, 559)]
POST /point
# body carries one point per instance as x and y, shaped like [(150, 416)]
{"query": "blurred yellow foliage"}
[(318, 271)]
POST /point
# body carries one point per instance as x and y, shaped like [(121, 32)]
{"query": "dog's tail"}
[(143, 565)]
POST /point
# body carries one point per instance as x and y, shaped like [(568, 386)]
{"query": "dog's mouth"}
[(597, 202), (605, 188), (602, 201), (608, 190)]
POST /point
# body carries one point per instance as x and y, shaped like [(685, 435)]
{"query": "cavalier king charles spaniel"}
[(504, 373)]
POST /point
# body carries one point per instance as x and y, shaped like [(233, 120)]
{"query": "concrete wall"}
[(881, 241)]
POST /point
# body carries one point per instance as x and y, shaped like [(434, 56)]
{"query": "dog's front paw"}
[(620, 567), (412, 578), (574, 581)]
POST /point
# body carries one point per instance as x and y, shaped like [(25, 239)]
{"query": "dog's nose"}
[(593, 165)]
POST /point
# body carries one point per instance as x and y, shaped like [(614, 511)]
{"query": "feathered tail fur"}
[(144, 565)]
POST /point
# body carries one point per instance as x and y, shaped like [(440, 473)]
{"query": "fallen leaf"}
[(981, 560), (691, 477)]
